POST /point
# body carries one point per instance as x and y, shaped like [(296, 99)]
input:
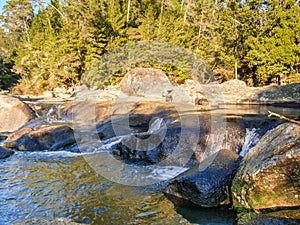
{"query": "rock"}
[(48, 94), (5, 153), (268, 176), (233, 85), (146, 82), (180, 145), (282, 217), (45, 138), (208, 184), (13, 113), (167, 147), (102, 111), (17, 134), (279, 94), (123, 125)]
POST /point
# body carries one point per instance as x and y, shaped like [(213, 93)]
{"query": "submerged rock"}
[(45, 138), (5, 153), (13, 113), (208, 184), (268, 176)]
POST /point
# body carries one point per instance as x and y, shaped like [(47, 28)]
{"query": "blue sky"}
[(2, 2)]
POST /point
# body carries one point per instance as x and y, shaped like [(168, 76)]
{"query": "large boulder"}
[(146, 82), (13, 113), (5, 153), (45, 138), (174, 143), (124, 125), (268, 176), (208, 184)]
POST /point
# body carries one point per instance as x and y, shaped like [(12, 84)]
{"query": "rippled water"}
[(45, 189)]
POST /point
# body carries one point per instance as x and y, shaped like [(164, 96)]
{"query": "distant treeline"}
[(49, 44)]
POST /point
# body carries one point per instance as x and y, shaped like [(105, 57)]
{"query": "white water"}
[(156, 125), (166, 172), (52, 115), (111, 142), (251, 138)]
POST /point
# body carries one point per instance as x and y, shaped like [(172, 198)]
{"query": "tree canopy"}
[(48, 45)]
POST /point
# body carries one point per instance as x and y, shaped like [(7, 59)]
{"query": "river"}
[(61, 188)]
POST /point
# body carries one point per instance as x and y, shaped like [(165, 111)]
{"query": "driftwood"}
[(283, 117)]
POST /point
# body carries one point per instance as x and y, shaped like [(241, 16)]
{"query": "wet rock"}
[(123, 125), (169, 146), (5, 153), (45, 138), (268, 176), (176, 144), (13, 113), (207, 185), (282, 217)]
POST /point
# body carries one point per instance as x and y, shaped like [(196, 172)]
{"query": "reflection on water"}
[(208, 216), (40, 190)]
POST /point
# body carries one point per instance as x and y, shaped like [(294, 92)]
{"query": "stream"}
[(61, 188)]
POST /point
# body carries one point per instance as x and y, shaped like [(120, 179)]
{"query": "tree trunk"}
[(235, 69), (181, 6), (186, 12), (26, 31), (161, 12), (200, 31), (128, 13)]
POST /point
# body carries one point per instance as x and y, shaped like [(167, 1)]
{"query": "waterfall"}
[(107, 144), (251, 138), (156, 124), (52, 116)]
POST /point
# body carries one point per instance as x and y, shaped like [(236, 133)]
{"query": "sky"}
[(2, 2)]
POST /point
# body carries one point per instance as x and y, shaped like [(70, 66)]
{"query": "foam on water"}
[(156, 124), (166, 172), (251, 138)]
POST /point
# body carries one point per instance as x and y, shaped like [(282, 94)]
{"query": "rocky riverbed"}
[(221, 155)]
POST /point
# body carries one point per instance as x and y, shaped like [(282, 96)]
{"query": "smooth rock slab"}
[(45, 138), (208, 184), (13, 113), (268, 176), (179, 145)]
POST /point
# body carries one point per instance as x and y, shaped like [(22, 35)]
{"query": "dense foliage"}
[(51, 44)]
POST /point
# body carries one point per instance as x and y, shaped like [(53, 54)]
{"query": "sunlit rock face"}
[(13, 113), (45, 138), (268, 176)]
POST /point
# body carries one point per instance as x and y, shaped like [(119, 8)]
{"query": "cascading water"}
[(251, 138), (159, 123), (156, 124), (52, 116)]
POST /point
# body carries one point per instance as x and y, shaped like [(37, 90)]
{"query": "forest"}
[(44, 45)]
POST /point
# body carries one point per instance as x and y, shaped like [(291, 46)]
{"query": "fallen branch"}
[(283, 117)]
